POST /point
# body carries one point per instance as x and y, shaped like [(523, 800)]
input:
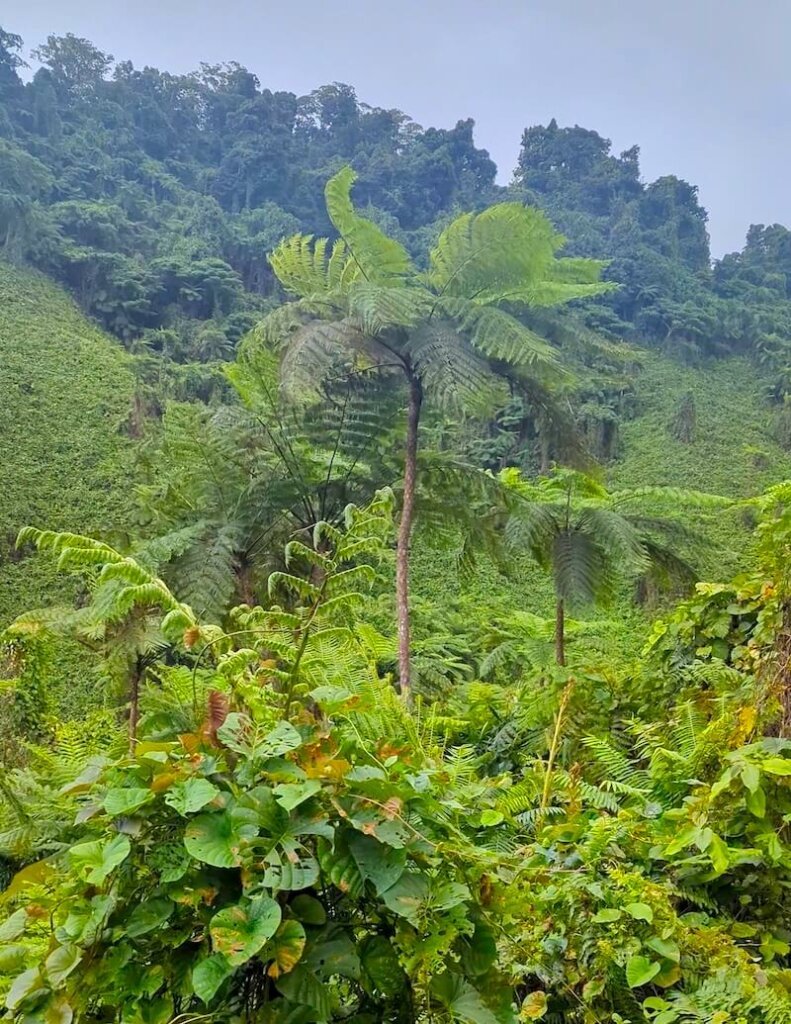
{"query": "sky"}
[(702, 86)]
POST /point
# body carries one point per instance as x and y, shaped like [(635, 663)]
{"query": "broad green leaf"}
[(122, 801), (100, 859), (303, 987), (406, 896), (239, 932), (13, 926), (639, 911), (382, 966), (665, 947), (777, 766), (382, 865), (308, 909), (218, 838), (239, 734), (86, 921), (607, 916), (28, 988), (290, 868), (12, 958), (56, 1011), (190, 796), (756, 803), (640, 970), (291, 794), (461, 1000), (718, 852), (148, 916), (447, 895), (751, 777), (332, 953), (668, 976), (686, 837), (286, 947), (491, 817), (208, 975), (479, 951), (60, 963)]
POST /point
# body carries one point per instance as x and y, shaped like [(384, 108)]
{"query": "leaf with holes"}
[(381, 865), (240, 932), (381, 965)]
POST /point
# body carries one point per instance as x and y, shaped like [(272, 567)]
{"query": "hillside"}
[(64, 448)]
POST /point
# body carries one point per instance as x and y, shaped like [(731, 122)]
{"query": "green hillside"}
[(64, 446)]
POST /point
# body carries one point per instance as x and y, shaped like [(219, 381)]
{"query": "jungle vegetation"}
[(395, 603)]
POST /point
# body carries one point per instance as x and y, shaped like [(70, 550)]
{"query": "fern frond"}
[(377, 257)]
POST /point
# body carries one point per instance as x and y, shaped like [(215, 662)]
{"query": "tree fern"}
[(438, 330)]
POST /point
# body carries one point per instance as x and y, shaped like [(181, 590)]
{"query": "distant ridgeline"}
[(155, 198)]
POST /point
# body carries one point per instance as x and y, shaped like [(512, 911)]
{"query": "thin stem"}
[(405, 532)]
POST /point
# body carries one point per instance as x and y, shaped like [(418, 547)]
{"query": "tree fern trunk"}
[(560, 633), (134, 702), (405, 533)]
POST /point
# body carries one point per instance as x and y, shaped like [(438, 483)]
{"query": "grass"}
[(65, 456)]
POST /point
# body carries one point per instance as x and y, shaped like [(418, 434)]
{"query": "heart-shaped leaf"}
[(61, 962), (208, 975), (405, 897), (640, 970), (100, 859), (286, 948), (665, 947), (382, 865), (13, 926), (118, 802), (607, 915), (639, 911), (190, 796), (308, 909), (217, 839), (239, 932), (534, 1006), (148, 916)]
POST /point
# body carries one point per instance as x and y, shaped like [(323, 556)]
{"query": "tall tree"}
[(447, 332)]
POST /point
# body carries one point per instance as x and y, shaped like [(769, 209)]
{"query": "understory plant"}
[(287, 841)]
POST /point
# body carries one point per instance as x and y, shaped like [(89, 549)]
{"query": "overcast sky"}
[(702, 86)]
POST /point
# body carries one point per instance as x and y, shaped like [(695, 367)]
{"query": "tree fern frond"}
[(451, 371), (316, 351), (378, 258), (501, 336), (377, 308)]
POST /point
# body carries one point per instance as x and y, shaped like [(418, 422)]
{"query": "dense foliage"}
[(302, 726)]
